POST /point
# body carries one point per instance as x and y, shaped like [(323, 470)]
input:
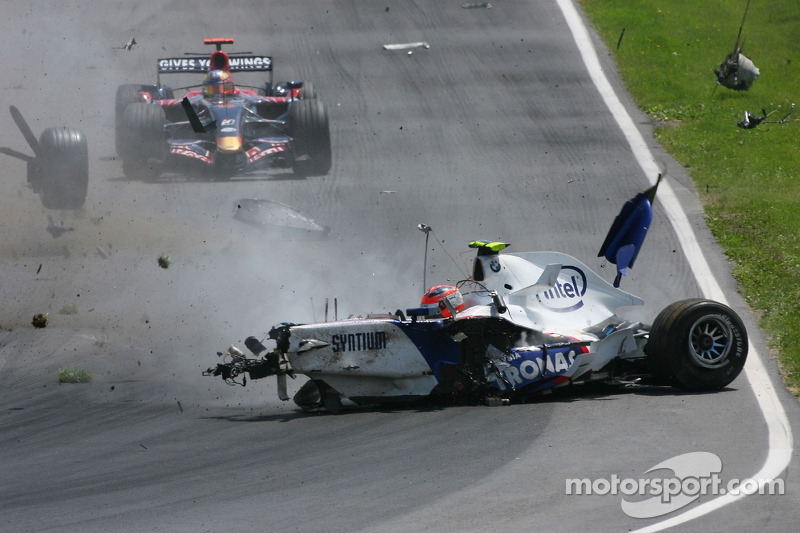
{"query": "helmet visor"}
[(218, 88)]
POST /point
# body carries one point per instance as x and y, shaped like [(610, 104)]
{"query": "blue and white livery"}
[(531, 322)]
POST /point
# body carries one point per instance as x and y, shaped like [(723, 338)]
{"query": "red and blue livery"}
[(218, 128)]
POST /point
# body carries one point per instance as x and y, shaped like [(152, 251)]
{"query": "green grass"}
[(748, 180), (74, 375)]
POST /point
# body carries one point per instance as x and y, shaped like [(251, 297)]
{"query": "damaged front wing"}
[(236, 364)]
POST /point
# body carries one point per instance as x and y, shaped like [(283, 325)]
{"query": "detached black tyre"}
[(61, 174), (144, 145), (308, 123), (697, 345)]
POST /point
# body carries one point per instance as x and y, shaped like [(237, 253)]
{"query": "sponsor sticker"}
[(567, 294), (188, 152), (256, 153), (358, 342)]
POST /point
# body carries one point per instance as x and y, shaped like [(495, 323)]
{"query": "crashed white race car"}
[(529, 322)]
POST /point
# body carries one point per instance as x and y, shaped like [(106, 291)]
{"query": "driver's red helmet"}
[(217, 83), (433, 299)]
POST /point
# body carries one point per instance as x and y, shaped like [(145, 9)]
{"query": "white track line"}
[(778, 428)]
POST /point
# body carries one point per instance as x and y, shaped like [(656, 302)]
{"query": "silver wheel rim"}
[(710, 341)]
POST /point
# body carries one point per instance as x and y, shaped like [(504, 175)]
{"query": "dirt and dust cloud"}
[(100, 276)]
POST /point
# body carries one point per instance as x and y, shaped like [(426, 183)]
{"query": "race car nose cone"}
[(229, 145)]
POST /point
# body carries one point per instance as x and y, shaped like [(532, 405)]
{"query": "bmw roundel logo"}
[(494, 265)]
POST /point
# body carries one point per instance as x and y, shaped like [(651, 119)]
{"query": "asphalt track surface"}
[(495, 131)]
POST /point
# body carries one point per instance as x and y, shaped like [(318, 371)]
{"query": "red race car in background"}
[(220, 129)]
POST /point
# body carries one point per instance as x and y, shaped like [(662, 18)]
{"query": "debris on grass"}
[(751, 121)]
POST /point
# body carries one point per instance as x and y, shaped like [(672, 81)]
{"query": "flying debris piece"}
[(426, 229), (476, 5), (56, 229), (406, 46), (127, 46), (191, 114), (267, 213), (621, 35), (737, 72), (40, 320), (628, 231), (164, 261), (751, 121)]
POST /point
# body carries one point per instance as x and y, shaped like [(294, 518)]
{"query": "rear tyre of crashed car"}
[(143, 142), (308, 122), (61, 174), (697, 345)]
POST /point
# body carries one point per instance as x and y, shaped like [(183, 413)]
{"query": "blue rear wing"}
[(627, 233)]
